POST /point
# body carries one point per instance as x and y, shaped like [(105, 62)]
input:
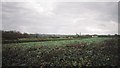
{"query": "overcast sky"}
[(61, 17)]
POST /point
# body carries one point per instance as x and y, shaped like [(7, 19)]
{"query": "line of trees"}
[(13, 35)]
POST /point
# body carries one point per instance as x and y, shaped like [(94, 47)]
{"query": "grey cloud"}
[(60, 17), (107, 10)]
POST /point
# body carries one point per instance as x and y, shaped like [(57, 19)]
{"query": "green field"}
[(76, 52)]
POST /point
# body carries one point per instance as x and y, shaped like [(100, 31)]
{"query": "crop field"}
[(77, 52)]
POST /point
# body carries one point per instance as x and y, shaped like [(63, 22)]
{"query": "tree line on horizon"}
[(15, 35)]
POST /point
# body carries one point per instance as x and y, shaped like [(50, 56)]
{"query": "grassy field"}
[(77, 52)]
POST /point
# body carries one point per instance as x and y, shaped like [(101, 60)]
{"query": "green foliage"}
[(77, 52)]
